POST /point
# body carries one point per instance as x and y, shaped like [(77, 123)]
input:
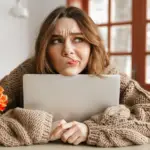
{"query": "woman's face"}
[(68, 50)]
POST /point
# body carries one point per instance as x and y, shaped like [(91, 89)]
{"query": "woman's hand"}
[(58, 127), (76, 134)]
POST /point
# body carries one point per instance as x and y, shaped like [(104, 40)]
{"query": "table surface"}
[(58, 146)]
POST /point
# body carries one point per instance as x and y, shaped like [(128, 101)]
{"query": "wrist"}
[(86, 131)]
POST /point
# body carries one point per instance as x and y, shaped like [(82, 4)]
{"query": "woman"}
[(69, 44)]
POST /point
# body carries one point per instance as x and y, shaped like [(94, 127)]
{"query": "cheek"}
[(84, 52)]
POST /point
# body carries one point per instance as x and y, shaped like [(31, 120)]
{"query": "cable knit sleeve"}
[(123, 125), (19, 126), (24, 127)]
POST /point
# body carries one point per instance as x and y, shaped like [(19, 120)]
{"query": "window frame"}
[(138, 23)]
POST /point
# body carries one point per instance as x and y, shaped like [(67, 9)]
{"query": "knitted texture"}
[(123, 125), (24, 127), (118, 127)]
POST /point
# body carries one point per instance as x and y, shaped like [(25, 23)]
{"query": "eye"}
[(56, 41), (78, 39)]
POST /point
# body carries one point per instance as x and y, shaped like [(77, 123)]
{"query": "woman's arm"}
[(20, 126), (123, 125), (118, 126), (24, 127)]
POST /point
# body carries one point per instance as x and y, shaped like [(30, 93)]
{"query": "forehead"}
[(65, 26)]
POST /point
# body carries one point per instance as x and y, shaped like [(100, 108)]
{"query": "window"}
[(126, 33)]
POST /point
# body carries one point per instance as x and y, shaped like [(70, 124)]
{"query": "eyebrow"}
[(58, 35)]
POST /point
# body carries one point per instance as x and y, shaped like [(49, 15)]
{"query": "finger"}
[(69, 133), (74, 137), (56, 124), (61, 122), (60, 129), (78, 141), (68, 125)]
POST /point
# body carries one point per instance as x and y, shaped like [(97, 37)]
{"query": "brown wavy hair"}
[(98, 59)]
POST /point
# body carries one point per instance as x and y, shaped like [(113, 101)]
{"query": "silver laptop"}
[(70, 97)]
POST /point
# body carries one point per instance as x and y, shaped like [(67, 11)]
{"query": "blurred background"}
[(123, 24)]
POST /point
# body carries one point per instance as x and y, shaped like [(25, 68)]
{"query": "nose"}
[(68, 49)]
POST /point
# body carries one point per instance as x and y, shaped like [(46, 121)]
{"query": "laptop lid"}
[(70, 97)]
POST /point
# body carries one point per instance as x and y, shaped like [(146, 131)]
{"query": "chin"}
[(70, 72)]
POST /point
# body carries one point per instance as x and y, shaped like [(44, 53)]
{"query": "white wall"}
[(14, 46), (39, 9), (17, 36)]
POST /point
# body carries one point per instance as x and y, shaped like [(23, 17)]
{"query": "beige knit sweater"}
[(123, 125)]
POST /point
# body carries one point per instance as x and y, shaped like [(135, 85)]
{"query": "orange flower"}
[(1, 90), (3, 100)]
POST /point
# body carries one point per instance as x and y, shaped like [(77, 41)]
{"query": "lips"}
[(73, 62)]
